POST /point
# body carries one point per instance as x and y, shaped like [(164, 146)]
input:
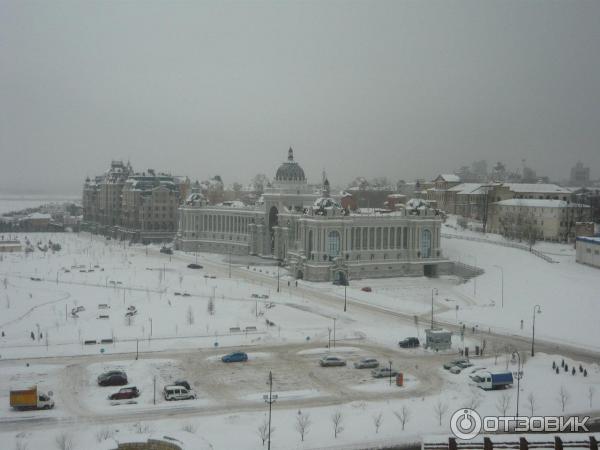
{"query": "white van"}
[(178, 393)]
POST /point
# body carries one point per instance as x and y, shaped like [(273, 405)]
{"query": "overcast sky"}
[(400, 89)]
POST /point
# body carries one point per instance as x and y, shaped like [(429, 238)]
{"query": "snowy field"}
[(186, 319)]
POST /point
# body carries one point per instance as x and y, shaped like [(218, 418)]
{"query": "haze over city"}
[(395, 89)]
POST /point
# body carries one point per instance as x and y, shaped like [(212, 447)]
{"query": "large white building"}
[(314, 235)]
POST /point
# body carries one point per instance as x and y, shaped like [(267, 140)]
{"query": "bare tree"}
[(474, 402), (190, 428), (20, 444), (591, 391), (403, 415), (503, 403), (64, 441), (302, 424), (337, 419), (104, 434), (440, 410), (377, 421), (563, 397), (263, 430), (532, 403), (190, 316)]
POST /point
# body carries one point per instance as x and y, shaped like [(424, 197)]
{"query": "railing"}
[(501, 243)]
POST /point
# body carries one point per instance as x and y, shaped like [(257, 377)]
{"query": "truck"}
[(30, 399), (488, 380)]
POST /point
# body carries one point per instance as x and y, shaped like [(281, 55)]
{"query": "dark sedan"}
[(113, 378), (235, 357)]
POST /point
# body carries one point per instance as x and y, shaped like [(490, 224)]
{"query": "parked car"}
[(235, 357), (455, 370), (264, 296), (366, 289), (340, 282), (175, 392), (464, 364), (194, 266), (166, 250), (366, 363), (186, 294), (113, 378), (183, 383), (176, 293), (125, 393), (331, 361), (383, 372), (409, 342), (450, 364)]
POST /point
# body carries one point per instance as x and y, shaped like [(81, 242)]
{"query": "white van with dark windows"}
[(178, 393)]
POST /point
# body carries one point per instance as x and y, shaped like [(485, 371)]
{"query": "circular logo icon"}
[(465, 423)]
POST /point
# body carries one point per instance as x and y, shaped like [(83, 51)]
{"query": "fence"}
[(503, 244)]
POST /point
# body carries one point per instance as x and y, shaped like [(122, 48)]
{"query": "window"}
[(426, 244), (333, 244)]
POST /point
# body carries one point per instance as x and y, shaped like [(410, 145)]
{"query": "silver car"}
[(366, 363), (383, 372), (330, 361)]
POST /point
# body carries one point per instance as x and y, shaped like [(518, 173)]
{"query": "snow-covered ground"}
[(186, 320)]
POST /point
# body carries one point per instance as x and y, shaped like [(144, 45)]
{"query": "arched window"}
[(333, 244)]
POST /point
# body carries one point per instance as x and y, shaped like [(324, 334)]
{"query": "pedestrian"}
[(473, 330), (32, 336), (521, 324), (296, 283), (41, 335), (3, 334)]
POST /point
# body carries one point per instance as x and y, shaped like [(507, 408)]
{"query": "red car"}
[(125, 393), (367, 289)]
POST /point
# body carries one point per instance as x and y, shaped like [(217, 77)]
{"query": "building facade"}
[(138, 206), (310, 231), (588, 251)]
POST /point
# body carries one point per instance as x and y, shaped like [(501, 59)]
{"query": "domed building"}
[(308, 230)]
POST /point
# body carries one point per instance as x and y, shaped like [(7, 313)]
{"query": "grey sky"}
[(401, 89)]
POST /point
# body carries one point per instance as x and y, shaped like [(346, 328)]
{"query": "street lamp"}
[(390, 361), (270, 399), (519, 375), (436, 293), (334, 319), (536, 309), (278, 266), (502, 282), (346, 279)]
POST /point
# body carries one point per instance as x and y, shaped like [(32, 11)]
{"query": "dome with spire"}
[(290, 170)]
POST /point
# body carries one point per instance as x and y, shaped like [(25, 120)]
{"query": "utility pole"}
[(229, 263), (436, 292), (270, 399), (536, 309), (155, 389), (519, 376), (334, 319), (329, 343), (137, 349), (278, 265)]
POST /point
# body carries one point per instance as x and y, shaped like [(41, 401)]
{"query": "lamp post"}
[(229, 263), (334, 319), (519, 375), (329, 342), (436, 293), (278, 265), (346, 280), (270, 399), (536, 309), (390, 361), (502, 282)]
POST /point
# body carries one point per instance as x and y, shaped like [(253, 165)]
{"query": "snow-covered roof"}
[(39, 216), (465, 188), (537, 187), (539, 203), (591, 240), (450, 177)]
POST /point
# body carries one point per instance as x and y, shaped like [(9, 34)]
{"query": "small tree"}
[(20, 444), (190, 316), (563, 397), (532, 403), (302, 424), (403, 415), (474, 402), (377, 421), (189, 427), (210, 307), (503, 404), (591, 391), (440, 410), (64, 441), (337, 420), (263, 430), (104, 434)]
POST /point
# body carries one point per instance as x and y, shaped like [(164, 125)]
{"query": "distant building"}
[(543, 219), (587, 251), (129, 205), (10, 246), (314, 235), (580, 175)]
